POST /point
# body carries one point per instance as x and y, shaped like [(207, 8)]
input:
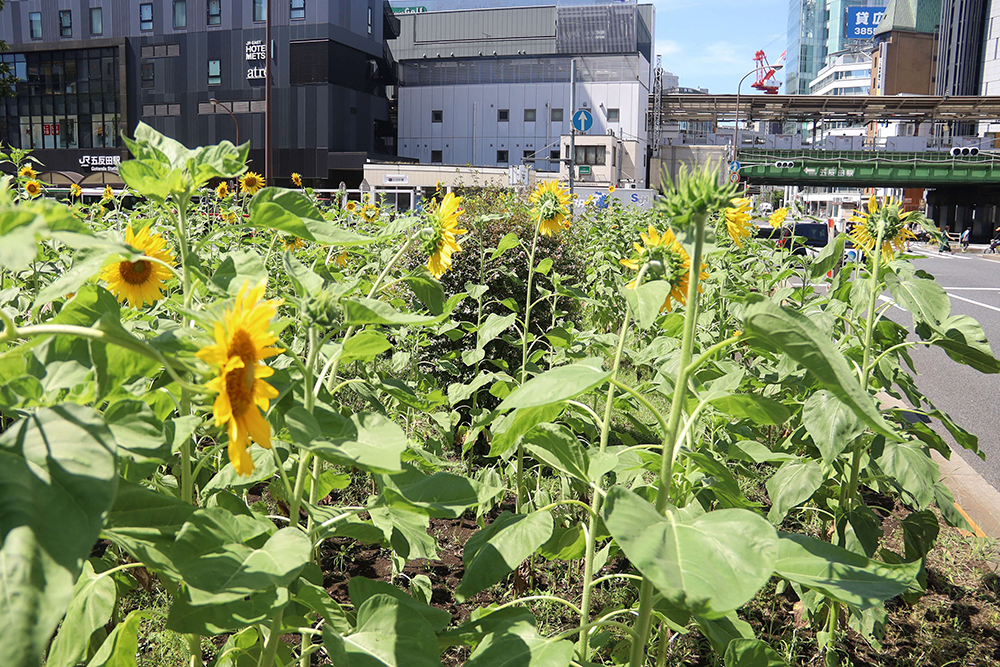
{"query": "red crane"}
[(765, 75)]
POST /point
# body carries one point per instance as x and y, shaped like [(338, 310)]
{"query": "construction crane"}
[(765, 75)]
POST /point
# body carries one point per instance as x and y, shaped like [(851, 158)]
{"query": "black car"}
[(805, 236)]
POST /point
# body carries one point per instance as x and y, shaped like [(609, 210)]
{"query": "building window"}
[(146, 16), (437, 157), (65, 23), (612, 115), (259, 10), (147, 75), (35, 25), (437, 116), (502, 157), (557, 115), (529, 115), (528, 157), (554, 154), (214, 72), (371, 25), (214, 12), (503, 115), (180, 14), (96, 21), (590, 155), (298, 9)]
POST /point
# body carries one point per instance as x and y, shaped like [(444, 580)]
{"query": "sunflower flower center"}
[(135, 273)]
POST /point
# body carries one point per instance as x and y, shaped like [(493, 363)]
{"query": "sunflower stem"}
[(643, 623), (519, 475)]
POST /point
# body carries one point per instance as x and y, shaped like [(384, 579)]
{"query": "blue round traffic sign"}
[(583, 120), (734, 166)]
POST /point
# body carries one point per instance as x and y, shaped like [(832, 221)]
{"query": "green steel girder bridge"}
[(928, 169)]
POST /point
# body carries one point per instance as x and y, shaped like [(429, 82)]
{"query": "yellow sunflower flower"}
[(341, 260), (33, 188), (738, 221), (292, 243), (27, 172), (611, 188), (141, 281), (108, 193), (370, 212), (222, 190), (242, 341), (551, 205), (442, 244), (251, 182), (297, 179), (75, 190), (890, 219), (352, 206), (667, 260), (777, 219)]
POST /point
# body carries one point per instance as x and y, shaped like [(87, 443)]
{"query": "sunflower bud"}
[(695, 192), (323, 309)]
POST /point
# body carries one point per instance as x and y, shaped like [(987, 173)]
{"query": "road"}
[(972, 281)]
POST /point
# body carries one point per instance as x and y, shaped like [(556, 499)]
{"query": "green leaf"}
[(442, 495), (306, 281), (137, 430), (840, 574), (557, 446), (518, 644), (923, 297), (752, 653), (317, 599), (214, 619), (646, 301), (962, 339), (721, 631), (760, 409), (292, 212), (493, 327), (794, 483), (369, 441), (426, 288), (388, 634), (494, 552), (86, 265), (359, 312), (544, 266), (238, 267), (828, 258), (556, 385), (406, 532), (58, 476), (519, 422), (93, 602), (565, 544), (797, 336), (920, 529), (832, 425), (362, 588), (351, 526), (506, 243), (122, 645), (710, 565), (365, 346), (912, 468)]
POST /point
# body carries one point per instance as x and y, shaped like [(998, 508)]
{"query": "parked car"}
[(805, 238), (768, 232)]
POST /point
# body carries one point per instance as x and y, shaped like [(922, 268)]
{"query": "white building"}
[(491, 87)]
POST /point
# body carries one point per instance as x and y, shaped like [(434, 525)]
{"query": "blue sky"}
[(711, 43)]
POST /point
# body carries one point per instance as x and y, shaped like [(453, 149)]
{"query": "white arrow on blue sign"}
[(735, 166), (583, 120)]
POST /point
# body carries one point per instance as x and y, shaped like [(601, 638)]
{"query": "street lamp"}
[(736, 130), (215, 103)]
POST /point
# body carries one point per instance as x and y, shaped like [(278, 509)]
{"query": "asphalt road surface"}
[(970, 397)]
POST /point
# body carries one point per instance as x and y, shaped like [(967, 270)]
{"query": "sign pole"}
[(572, 130), (268, 157)]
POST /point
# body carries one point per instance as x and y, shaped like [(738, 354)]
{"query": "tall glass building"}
[(807, 33)]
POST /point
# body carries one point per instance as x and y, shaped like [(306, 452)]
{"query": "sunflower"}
[(27, 172), (667, 260), (292, 243), (297, 179), (551, 204), (890, 219), (242, 340), (231, 218), (251, 182), (777, 219), (738, 221), (75, 190), (442, 244), (108, 193), (611, 188), (33, 188), (140, 281), (222, 190), (370, 212), (341, 259), (352, 206)]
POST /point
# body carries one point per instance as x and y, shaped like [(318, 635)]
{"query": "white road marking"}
[(984, 305), (977, 289)]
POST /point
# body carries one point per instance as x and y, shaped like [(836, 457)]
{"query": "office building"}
[(90, 71), (960, 47)]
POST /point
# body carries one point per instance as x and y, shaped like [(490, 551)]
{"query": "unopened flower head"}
[(694, 192)]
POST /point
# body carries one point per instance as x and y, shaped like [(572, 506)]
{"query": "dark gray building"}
[(91, 69), (960, 46)]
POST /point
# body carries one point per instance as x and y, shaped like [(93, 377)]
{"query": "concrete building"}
[(904, 60), (491, 87), (91, 70), (846, 73)]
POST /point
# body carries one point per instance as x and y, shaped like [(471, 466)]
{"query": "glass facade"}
[(64, 99), (807, 35)]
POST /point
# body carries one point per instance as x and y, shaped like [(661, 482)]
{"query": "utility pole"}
[(268, 77), (572, 130)]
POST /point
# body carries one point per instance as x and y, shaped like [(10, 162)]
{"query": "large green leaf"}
[(923, 297), (362, 311), (832, 425), (495, 551), (58, 476), (841, 574), (962, 338), (558, 384), (760, 409), (797, 336), (646, 301), (559, 447), (363, 588), (794, 483), (406, 532), (828, 258), (721, 631), (509, 430), (214, 619), (122, 645), (493, 327), (292, 212), (366, 440), (443, 494), (709, 566), (93, 602), (388, 634), (518, 644), (913, 469), (752, 653)]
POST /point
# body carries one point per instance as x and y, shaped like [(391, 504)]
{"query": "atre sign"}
[(256, 50)]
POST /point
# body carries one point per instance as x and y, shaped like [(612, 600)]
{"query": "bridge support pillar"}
[(962, 207)]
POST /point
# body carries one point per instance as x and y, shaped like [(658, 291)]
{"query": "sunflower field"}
[(240, 426)]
